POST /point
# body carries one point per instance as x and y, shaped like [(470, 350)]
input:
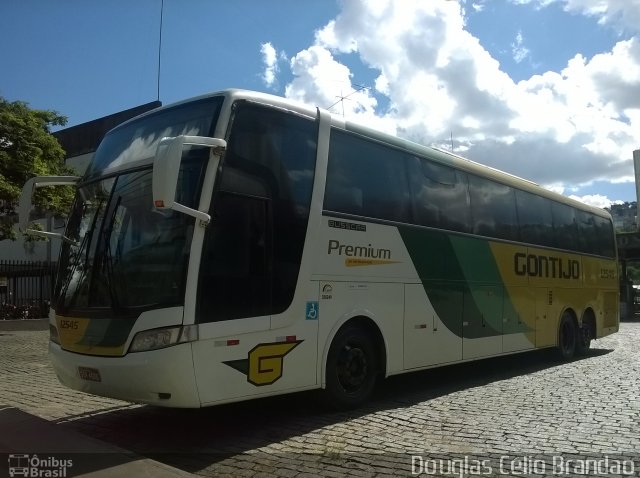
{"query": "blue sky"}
[(545, 89)]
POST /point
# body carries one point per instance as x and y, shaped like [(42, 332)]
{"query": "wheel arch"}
[(589, 316), (368, 323)]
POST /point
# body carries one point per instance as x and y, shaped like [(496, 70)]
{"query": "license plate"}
[(90, 374)]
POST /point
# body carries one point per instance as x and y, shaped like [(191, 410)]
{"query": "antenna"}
[(451, 132), (341, 98), (160, 44)]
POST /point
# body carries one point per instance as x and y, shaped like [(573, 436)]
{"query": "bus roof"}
[(432, 153)]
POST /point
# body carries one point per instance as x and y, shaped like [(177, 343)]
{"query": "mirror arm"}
[(25, 203), (203, 217), (52, 235), (166, 166)]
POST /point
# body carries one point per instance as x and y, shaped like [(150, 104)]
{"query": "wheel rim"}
[(352, 368), (567, 338)]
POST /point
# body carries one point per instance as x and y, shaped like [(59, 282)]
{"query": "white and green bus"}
[(240, 245)]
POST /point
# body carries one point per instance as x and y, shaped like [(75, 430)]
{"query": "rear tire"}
[(352, 368), (585, 336), (567, 337)]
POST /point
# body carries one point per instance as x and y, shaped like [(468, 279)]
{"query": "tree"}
[(28, 149)]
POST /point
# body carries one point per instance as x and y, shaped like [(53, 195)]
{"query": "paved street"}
[(527, 406)]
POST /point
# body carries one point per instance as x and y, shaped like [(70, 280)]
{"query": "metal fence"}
[(26, 289)]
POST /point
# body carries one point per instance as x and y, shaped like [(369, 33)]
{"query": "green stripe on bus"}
[(462, 280)]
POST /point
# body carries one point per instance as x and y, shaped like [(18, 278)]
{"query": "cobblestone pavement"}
[(527, 407)]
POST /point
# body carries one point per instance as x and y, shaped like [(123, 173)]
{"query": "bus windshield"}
[(125, 256)]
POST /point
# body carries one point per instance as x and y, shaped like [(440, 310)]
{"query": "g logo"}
[(265, 362)]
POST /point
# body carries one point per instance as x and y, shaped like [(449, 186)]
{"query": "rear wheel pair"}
[(573, 339)]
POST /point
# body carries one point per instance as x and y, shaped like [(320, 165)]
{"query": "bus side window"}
[(236, 260), (365, 178), (343, 194), (439, 195), (493, 209), (587, 238), (564, 225), (265, 185), (605, 237), (534, 216)]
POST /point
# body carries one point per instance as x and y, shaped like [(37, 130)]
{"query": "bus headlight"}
[(161, 338)]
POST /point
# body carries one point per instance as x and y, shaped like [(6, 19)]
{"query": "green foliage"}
[(28, 149), (624, 216)]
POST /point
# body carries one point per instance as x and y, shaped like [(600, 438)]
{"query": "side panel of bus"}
[(463, 297)]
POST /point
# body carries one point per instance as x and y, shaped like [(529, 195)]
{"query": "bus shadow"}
[(193, 440), (458, 377)]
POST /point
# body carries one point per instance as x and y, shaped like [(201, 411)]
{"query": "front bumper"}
[(163, 377)]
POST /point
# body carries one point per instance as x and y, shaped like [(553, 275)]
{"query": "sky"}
[(548, 90)]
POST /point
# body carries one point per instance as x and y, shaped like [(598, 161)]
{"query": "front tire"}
[(567, 337), (352, 368)]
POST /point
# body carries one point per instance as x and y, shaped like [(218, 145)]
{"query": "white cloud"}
[(569, 127), (321, 80), (270, 60), (624, 13), (519, 51), (596, 200)]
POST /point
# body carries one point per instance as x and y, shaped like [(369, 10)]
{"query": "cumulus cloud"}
[(570, 127), (270, 60), (321, 80), (596, 200)]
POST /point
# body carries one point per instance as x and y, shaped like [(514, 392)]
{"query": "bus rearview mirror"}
[(166, 168), (25, 204)]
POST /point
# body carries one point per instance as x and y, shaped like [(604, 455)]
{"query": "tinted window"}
[(440, 195), (595, 234), (271, 154), (235, 279), (270, 158), (587, 236), (534, 217), (366, 179), (493, 209), (605, 236), (565, 226), (139, 139)]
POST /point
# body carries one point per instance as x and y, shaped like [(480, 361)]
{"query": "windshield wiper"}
[(86, 242), (107, 259)]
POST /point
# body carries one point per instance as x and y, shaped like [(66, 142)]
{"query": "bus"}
[(241, 245)]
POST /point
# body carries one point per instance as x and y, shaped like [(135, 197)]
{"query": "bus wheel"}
[(567, 337), (585, 336), (352, 368)]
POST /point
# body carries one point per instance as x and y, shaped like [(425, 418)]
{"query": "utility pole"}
[(160, 45), (636, 170)]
